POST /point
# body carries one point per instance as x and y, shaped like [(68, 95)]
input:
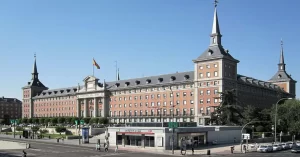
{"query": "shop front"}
[(135, 137)]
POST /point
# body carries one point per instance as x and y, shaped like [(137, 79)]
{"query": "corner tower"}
[(215, 70), (34, 87), (281, 78)]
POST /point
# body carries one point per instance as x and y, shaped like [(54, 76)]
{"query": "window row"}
[(208, 74), (152, 112), (184, 102), (208, 101), (208, 66), (152, 96), (208, 92)]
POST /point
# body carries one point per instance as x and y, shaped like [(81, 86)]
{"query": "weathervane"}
[(34, 55), (281, 42), (216, 3)]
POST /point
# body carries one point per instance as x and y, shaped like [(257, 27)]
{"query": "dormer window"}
[(75, 90), (44, 93), (173, 78), (117, 84), (210, 52), (49, 93), (61, 91), (186, 77), (55, 92), (127, 83), (160, 80), (68, 90), (279, 76), (137, 82), (148, 81)]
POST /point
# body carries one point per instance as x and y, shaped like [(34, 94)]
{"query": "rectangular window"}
[(215, 91), (208, 92), (200, 75), (208, 74), (184, 102), (201, 92), (216, 73), (207, 66), (216, 65), (184, 94), (201, 101), (192, 101), (215, 82), (215, 100), (208, 101)]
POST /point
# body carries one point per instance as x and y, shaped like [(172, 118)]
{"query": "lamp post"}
[(275, 140)]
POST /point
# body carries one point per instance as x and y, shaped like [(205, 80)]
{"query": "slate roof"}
[(215, 52), (281, 76), (159, 80), (57, 92), (182, 77), (3, 99), (258, 83)]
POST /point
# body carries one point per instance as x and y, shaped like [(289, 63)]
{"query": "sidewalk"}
[(214, 150)]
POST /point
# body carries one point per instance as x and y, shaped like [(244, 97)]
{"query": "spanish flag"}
[(96, 64)]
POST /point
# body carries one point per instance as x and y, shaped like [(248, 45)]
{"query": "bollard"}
[(20, 136), (57, 140), (208, 152), (49, 137)]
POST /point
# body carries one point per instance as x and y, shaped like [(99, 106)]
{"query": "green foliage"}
[(2, 121), (54, 120), (228, 112), (103, 120), (24, 120), (288, 117), (35, 129), (18, 128), (35, 120), (44, 131), (60, 129), (47, 120), (42, 120), (68, 120), (73, 120), (87, 120), (260, 128), (30, 120), (61, 120), (94, 120)]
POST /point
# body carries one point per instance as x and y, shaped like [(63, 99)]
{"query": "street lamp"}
[(276, 116)]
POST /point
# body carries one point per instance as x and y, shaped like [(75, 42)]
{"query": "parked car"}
[(296, 149), (264, 149), (285, 146), (290, 144), (298, 143), (277, 147)]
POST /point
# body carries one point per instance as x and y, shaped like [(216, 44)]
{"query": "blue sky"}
[(146, 37)]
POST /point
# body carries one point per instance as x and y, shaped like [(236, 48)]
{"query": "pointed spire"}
[(35, 73), (281, 65), (118, 74), (281, 54), (215, 33)]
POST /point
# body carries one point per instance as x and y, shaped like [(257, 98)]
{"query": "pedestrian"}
[(116, 149), (106, 148), (245, 148), (192, 150)]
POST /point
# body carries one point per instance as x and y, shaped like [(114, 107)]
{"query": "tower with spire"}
[(215, 67), (282, 78), (33, 87)]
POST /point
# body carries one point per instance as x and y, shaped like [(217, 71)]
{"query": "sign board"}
[(217, 128), (246, 136), (173, 124), (91, 95)]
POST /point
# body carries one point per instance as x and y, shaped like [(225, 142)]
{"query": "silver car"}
[(264, 149)]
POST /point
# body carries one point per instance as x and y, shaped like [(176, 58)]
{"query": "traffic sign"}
[(76, 122), (173, 124), (81, 122)]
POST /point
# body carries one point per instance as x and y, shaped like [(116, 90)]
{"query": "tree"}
[(54, 120), (228, 112), (288, 116), (94, 120), (25, 120), (42, 120), (60, 129), (103, 120), (30, 120), (35, 129), (47, 120), (69, 120), (73, 120), (87, 120), (18, 128), (35, 120), (61, 120), (44, 131)]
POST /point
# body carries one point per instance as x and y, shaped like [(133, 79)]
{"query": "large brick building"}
[(190, 95), (10, 108)]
